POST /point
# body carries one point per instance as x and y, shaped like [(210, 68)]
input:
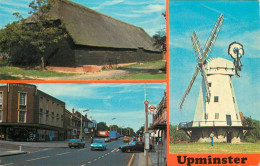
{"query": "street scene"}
[(60, 154), (83, 124)]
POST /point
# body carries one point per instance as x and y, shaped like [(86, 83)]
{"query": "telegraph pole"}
[(146, 102)]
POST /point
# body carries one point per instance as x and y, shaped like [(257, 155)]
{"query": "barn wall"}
[(107, 56), (63, 56)]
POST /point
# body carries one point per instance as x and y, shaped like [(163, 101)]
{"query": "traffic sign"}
[(146, 102), (152, 107)]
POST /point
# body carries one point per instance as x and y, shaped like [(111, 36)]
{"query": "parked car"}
[(76, 143), (107, 139), (126, 139), (98, 144), (134, 146)]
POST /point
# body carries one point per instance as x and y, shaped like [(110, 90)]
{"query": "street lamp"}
[(81, 123), (111, 123)]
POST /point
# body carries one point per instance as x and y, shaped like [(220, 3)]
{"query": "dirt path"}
[(103, 75)]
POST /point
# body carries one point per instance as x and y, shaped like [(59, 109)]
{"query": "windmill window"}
[(234, 100), (206, 116), (216, 115), (237, 116), (230, 85), (209, 84), (215, 98)]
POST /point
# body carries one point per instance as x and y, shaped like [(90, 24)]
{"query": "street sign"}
[(152, 107), (146, 102)]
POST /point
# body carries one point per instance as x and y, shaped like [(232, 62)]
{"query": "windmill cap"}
[(220, 66)]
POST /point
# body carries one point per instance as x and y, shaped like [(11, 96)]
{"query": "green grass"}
[(145, 71), (144, 76), (217, 148), (8, 73)]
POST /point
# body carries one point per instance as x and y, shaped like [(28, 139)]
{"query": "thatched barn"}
[(97, 39)]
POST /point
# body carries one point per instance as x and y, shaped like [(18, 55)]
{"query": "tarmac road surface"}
[(112, 156)]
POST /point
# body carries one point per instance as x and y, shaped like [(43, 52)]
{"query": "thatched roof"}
[(90, 28)]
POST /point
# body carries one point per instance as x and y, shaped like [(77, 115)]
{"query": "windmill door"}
[(228, 120), (229, 137)]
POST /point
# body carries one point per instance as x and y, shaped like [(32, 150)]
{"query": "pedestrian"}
[(211, 137)]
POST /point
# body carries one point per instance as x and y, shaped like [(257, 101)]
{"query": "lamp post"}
[(81, 123), (111, 120), (146, 138)]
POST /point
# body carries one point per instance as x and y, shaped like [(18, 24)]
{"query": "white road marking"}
[(8, 164), (117, 150), (95, 160), (99, 158), (83, 164), (81, 149), (62, 153), (89, 162), (38, 158)]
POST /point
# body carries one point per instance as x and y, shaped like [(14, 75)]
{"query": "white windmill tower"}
[(216, 108)]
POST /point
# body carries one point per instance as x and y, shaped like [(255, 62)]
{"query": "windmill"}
[(216, 108)]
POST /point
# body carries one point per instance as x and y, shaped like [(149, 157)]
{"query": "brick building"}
[(28, 114)]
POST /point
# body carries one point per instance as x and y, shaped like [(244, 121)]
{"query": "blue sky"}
[(142, 13), (241, 24), (124, 101)]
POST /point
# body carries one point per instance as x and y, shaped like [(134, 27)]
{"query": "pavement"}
[(153, 156), (15, 148)]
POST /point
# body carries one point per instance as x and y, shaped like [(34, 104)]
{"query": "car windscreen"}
[(132, 143), (74, 140), (98, 141)]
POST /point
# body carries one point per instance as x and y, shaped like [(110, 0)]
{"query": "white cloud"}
[(128, 15), (107, 3), (151, 9)]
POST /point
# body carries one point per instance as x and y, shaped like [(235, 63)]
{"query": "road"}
[(72, 157)]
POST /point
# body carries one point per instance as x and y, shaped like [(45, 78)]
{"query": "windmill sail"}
[(212, 38), (197, 49), (189, 87), (201, 55)]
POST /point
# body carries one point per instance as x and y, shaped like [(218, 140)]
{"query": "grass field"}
[(217, 148), (144, 76), (148, 71), (144, 71), (15, 73)]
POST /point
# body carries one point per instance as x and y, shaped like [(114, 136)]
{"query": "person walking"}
[(211, 137)]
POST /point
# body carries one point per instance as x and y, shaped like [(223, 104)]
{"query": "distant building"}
[(97, 40), (28, 114), (71, 125)]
